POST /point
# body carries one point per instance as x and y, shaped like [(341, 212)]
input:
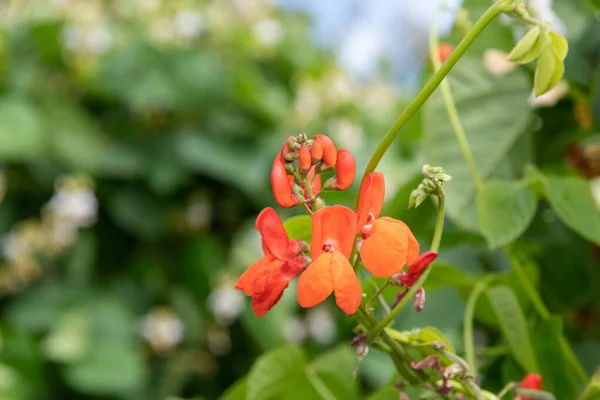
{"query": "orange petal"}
[(372, 192), (384, 253), (345, 170), (316, 282), (316, 183), (265, 265), (346, 286), (274, 235), (334, 226), (265, 300), (412, 252)]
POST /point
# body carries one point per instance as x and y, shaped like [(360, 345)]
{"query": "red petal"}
[(316, 183), (274, 235), (385, 252), (265, 300), (305, 159), (316, 282), (281, 186), (372, 192), (335, 226), (345, 170), (268, 265)]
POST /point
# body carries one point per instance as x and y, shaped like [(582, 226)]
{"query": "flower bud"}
[(416, 268), (531, 381), (305, 159), (329, 151), (345, 170), (444, 50), (316, 151), (281, 187)]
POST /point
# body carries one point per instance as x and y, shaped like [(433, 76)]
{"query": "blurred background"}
[(136, 138)]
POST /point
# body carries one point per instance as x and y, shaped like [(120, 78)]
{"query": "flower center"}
[(328, 248)]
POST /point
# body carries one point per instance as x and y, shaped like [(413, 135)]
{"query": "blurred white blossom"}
[(294, 330), (188, 23), (497, 64), (321, 325), (550, 98), (226, 304), (349, 134), (162, 328), (268, 32)]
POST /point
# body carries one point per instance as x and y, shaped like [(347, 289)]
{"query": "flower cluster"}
[(340, 235)]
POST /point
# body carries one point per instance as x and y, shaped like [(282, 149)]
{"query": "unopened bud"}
[(420, 300), (417, 267), (316, 151), (318, 203), (302, 138), (304, 159), (329, 151), (444, 50), (345, 170), (282, 189)]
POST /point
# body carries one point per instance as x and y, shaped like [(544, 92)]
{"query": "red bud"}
[(329, 151), (444, 51), (345, 170), (316, 150), (531, 381), (416, 268), (281, 187), (305, 159)]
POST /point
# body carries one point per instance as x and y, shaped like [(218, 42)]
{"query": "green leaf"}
[(270, 372), (514, 326), (572, 200), (546, 341), (592, 390), (528, 48), (299, 227), (494, 113), (137, 212), (336, 367), (237, 391), (505, 211), (21, 130), (447, 275)]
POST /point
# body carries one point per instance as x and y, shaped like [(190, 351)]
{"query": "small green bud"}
[(528, 48)]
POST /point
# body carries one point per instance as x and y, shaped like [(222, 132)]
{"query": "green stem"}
[(468, 328), (491, 13), (435, 244), (379, 291), (451, 110)]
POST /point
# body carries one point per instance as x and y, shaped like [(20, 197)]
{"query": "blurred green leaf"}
[(299, 227), (137, 212), (572, 200), (505, 211), (514, 326), (447, 275), (237, 391), (21, 130), (336, 368), (592, 390), (560, 381), (272, 372), (494, 113)]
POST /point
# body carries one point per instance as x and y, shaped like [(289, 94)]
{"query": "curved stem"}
[(491, 13), (451, 110), (435, 244), (468, 327)]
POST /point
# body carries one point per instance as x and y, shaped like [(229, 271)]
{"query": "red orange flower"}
[(388, 244), (531, 381), (266, 279), (333, 233)]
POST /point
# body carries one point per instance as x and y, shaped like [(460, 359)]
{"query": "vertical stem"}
[(451, 110), (468, 327)]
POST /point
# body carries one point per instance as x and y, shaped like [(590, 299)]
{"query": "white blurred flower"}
[(321, 325), (162, 328), (550, 98), (308, 101), (94, 39), (595, 188), (226, 304), (161, 30), (188, 23), (78, 205), (347, 133), (294, 330), (268, 32), (496, 62)]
